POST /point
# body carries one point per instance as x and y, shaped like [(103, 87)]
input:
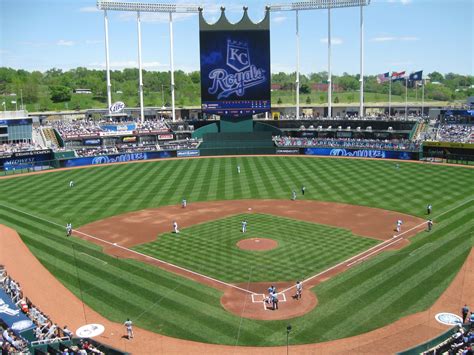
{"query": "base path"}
[(130, 229), (65, 308)]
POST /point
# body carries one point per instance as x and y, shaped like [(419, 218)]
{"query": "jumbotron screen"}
[(235, 72)]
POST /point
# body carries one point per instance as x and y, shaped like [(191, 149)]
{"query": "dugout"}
[(455, 153)]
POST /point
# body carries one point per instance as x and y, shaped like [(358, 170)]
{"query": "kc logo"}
[(238, 57)]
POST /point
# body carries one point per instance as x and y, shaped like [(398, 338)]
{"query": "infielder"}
[(244, 226), (128, 324), (399, 225), (68, 229), (184, 203), (71, 183), (430, 225), (175, 227)]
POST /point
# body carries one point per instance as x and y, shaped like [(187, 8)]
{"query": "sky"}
[(410, 35)]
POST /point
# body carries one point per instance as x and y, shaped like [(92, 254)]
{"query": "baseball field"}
[(366, 296)]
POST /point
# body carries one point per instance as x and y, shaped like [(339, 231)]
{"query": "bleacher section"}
[(50, 136), (237, 143)]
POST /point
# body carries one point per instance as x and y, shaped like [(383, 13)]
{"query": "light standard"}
[(288, 330)]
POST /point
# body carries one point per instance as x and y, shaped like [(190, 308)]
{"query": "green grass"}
[(365, 297), (304, 248)]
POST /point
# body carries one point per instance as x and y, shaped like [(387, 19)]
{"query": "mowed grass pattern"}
[(304, 249), (366, 297)]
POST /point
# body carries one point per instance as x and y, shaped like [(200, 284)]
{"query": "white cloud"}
[(394, 38), (94, 41), (279, 19), (89, 9), (63, 42), (334, 40)]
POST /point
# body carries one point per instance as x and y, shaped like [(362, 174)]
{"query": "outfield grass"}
[(365, 297), (304, 248)]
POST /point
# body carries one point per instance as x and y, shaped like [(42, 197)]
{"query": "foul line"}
[(133, 251)]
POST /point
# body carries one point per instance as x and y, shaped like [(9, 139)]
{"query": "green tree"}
[(59, 93), (305, 89), (336, 100), (279, 102), (308, 99)]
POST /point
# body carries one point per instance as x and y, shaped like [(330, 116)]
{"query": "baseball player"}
[(129, 325), (430, 225), (428, 209), (175, 227), (293, 195), (71, 183), (299, 289), (399, 225), (238, 169), (68, 229), (244, 226), (184, 203), (303, 189)]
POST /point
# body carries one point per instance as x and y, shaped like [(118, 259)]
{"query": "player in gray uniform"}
[(244, 226), (299, 289), (293, 195), (184, 203), (129, 325), (68, 229)]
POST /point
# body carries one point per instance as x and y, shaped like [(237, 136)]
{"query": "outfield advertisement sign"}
[(361, 153), (25, 160), (188, 153), (290, 151), (117, 158)]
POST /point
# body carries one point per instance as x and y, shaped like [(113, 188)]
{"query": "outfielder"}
[(238, 169), (71, 183), (293, 195), (428, 209)]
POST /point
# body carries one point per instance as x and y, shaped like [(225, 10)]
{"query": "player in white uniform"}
[(129, 325), (184, 203), (399, 225), (244, 226), (71, 183), (175, 227), (293, 195), (68, 229), (238, 169), (299, 289)]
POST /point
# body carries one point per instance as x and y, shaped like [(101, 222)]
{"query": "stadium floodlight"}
[(326, 5), (146, 7), (139, 7)]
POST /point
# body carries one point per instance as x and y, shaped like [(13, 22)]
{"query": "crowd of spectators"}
[(456, 133), (461, 342), (8, 148), (84, 127), (401, 144), (355, 117)]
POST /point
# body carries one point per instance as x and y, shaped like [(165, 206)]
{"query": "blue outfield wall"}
[(362, 153), (16, 320), (116, 158)]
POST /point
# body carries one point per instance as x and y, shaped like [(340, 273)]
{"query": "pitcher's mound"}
[(257, 244)]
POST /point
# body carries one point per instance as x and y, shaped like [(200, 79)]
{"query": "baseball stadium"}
[(240, 226)]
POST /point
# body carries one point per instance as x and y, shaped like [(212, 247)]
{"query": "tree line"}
[(45, 90)]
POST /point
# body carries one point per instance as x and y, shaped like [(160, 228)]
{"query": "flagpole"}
[(406, 97), (390, 98), (422, 97)]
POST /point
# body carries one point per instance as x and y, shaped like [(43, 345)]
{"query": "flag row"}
[(396, 76)]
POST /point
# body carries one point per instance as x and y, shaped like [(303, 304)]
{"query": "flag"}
[(418, 75), (398, 75), (382, 78)]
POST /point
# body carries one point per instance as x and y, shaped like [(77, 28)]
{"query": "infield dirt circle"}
[(257, 244)]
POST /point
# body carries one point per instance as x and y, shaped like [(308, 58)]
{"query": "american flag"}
[(382, 78)]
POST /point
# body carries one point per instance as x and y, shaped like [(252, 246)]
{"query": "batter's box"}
[(260, 297)]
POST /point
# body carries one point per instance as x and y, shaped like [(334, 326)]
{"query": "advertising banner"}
[(25, 160), (188, 153), (362, 153), (11, 315), (291, 151), (116, 158), (92, 142), (118, 127), (235, 66), (165, 137)]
